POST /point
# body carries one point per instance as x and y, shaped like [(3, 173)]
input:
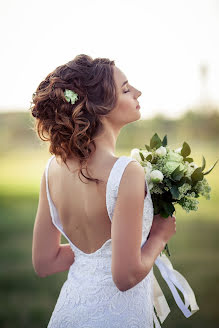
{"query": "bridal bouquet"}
[(172, 176)]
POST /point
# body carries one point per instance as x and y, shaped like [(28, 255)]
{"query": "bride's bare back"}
[(81, 206)]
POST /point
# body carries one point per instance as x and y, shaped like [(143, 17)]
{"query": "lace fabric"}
[(89, 298)]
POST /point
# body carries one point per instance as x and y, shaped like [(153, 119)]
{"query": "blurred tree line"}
[(195, 126)]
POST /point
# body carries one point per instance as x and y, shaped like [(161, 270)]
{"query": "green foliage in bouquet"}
[(173, 177)]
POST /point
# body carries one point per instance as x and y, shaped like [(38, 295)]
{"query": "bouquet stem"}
[(166, 249)]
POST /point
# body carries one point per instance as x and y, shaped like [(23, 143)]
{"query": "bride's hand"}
[(164, 228)]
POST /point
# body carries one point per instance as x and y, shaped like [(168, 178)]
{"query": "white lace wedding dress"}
[(90, 299)]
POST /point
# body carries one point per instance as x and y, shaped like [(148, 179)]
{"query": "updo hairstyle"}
[(72, 128)]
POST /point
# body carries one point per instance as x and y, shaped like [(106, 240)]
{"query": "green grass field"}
[(27, 300)]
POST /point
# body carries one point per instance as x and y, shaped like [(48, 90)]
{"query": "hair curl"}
[(71, 128)]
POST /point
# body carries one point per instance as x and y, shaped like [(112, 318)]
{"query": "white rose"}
[(156, 176), (161, 151), (135, 154)]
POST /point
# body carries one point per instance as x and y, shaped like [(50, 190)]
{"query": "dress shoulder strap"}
[(54, 214), (46, 176), (114, 182)]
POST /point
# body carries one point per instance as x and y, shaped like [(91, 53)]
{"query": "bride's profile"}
[(99, 202)]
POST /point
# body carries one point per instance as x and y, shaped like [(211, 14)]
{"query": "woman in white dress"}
[(99, 202)]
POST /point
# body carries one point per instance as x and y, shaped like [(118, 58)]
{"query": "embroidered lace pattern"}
[(89, 298)]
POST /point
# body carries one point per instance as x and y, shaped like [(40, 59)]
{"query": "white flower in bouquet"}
[(161, 151), (157, 176), (135, 154)]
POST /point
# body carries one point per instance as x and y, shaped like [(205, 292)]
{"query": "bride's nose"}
[(138, 93)]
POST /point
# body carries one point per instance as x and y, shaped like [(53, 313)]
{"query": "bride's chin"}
[(136, 118), (138, 114)]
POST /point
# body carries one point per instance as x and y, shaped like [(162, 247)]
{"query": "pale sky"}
[(158, 44)]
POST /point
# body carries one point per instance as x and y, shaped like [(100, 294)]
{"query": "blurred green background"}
[(26, 299)]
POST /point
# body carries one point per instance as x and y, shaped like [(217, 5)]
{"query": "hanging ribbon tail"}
[(174, 278), (160, 303), (155, 321)]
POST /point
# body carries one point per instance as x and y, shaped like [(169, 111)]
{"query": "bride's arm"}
[(131, 263), (48, 255)]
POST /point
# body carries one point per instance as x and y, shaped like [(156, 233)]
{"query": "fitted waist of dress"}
[(93, 270), (98, 275), (91, 264)]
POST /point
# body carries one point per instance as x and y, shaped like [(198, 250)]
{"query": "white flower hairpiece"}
[(71, 96)]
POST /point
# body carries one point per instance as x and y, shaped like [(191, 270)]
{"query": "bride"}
[(100, 203)]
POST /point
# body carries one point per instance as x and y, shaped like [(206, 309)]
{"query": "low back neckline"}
[(55, 216)]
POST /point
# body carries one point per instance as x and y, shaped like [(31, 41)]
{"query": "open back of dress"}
[(89, 298)]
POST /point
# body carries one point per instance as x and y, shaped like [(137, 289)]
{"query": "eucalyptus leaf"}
[(148, 148), (177, 174), (211, 168), (185, 151), (154, 161), (168, 208), (203, 163), (155, 141), (142, 156), (149, 157), (197, 175), (164, 142), (175, 192)]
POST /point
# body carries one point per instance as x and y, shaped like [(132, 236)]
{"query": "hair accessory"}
[(70, 96)]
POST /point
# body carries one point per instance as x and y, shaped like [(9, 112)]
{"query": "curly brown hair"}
[(71, 128)]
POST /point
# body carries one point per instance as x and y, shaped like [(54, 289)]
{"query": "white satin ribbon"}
[(173, 278), (160, 303), (156, 322)]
